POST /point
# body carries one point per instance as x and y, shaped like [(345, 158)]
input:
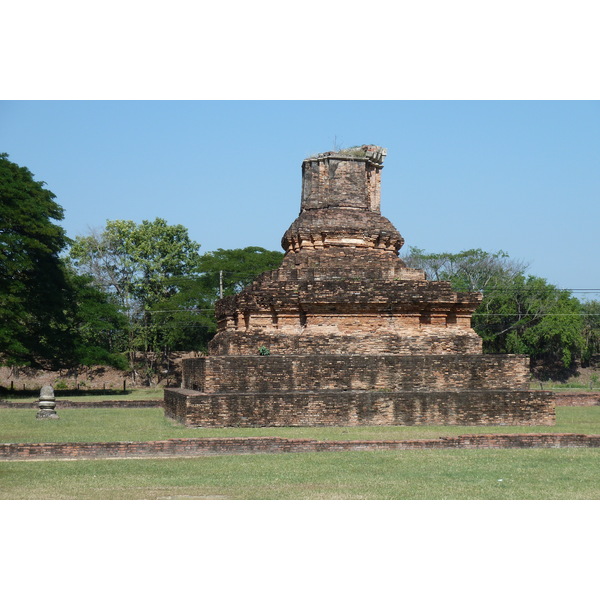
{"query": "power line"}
[(544, 314), (190, 310)]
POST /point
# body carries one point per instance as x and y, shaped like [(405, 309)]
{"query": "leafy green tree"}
[(519, 313), (96, 324), (186, 320), (233, 270), (188, 316), (137, 263), (531, 316), (141, 266), (33, 288), (163, 286), (472, 270), (591, 329)]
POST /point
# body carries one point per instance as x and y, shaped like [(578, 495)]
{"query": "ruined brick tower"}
[(349, 334)]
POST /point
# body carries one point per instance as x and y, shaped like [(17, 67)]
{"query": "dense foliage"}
[(33, 289), (163, 286), (96, 325), (139, 266), (520, 313), (591, 329), (187, 318)]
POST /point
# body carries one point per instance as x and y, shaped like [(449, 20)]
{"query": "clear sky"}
[(518, 176)]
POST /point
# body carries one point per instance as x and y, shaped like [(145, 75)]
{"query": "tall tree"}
[(530, 316), (140, 265), (33, 288), (472, 270), (137, 263)]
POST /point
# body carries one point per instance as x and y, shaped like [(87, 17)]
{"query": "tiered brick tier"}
[(347, 390), (366, 408), (340, 316)]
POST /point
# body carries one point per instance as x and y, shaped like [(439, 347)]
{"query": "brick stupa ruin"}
[(344, 334)]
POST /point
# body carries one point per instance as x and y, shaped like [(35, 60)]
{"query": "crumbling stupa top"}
[(340, 209), (370, 152)]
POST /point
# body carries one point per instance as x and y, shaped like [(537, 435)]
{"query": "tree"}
[(519, 313), (188, 316), (96, 324), (33, 288), (233, 270), (141, 266), (591, 329), (186, 319), (472, 270), (530, 316), (138, 264), (163, 286)]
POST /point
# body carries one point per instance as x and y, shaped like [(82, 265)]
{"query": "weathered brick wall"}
[(350, 316), (193, 373), (336, 181), (431, 341), (273, 445), (355, 408), (356, 372)]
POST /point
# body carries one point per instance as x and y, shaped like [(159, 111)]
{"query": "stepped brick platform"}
[(352, 408), (349, 335)]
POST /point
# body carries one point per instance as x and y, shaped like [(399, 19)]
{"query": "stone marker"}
[(47, 404)]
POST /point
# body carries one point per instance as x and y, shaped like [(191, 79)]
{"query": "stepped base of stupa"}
[(352, 390)]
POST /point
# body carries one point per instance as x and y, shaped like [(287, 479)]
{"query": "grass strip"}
[(524, 474), (145, 424)]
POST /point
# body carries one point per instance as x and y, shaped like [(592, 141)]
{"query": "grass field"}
[(482, 474), (524, 474), (143, 424)]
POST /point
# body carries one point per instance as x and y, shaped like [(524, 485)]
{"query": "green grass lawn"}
[(467, 474), (143, 424), (524, 474)]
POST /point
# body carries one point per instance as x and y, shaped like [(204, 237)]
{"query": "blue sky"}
[(519, 176)]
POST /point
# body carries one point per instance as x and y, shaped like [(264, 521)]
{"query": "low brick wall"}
[(352, 408), (275, 445)]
